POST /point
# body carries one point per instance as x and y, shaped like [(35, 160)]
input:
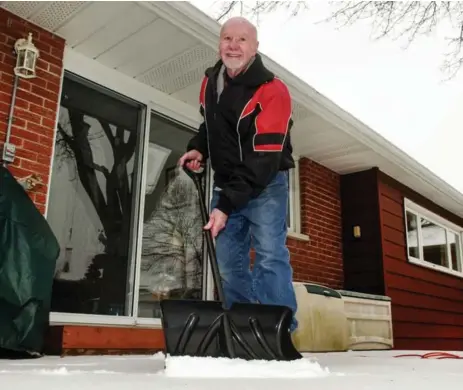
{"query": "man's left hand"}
[(217, 221)]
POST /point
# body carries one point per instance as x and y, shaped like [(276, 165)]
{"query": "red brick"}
[(24, 134), (56, 70), (45, 93), (48, 122), (40, 129), (320, 259), (27, 115), (26, 154), (19, 173), (26, 95), (38, 148), (40, 198), (50, 105), (32, 166)]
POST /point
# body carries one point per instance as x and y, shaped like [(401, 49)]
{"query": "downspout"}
[(8, 156)]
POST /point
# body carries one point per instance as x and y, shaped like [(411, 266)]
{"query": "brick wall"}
[(320, 259), (36, 101)]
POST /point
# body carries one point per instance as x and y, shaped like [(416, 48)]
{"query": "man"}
[(245, 134)]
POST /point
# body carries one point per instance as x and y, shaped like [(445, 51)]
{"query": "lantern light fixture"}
[(26, 57)]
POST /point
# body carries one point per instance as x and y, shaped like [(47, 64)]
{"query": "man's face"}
[(238, 44)]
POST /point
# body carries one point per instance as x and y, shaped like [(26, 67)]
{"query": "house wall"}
[(36, 101), (318, 260), (362, 256), (427, 305)]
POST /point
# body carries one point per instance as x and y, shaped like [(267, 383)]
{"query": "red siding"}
[(427, 305), (320, 259), (36, 101)]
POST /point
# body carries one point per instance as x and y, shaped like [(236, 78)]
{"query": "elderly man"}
[(245, 134)]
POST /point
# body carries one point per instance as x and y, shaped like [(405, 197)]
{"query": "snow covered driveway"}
[(337, 371)]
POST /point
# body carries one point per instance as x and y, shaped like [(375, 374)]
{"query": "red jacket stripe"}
[(202, 92)]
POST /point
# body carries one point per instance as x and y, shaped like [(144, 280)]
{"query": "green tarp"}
[(28, 254)]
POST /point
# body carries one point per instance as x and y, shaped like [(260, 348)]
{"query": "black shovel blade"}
[(196, 328)]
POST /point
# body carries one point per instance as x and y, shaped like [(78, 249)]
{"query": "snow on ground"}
[(336, 371)]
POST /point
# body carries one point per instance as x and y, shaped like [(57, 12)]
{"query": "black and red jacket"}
[(245, 132)]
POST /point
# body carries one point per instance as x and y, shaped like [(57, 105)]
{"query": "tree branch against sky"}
[(391, 19)]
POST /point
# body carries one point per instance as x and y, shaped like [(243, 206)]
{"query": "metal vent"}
[(23, 9), (180, 71), (56, 13)]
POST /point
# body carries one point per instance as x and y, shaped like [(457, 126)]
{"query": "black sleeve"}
[(199, 142)]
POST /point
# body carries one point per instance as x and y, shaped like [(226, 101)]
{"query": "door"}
[(92, 202)]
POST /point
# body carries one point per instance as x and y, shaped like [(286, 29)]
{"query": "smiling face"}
[(238, 44)]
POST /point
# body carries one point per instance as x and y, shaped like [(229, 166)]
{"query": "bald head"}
[(238, 44), (241, 23)]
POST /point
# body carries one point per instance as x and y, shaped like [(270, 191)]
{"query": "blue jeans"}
[(262, 220)]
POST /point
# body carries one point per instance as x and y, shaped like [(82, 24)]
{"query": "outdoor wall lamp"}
[(356, 231), (26, 58)]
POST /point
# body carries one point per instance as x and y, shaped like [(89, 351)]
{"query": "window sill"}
[(298, 236), (435, 267)]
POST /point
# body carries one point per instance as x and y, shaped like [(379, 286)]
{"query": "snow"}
[(237, 368), (321, 371)]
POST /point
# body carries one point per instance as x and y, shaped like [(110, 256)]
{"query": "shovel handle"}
[(197, 176)]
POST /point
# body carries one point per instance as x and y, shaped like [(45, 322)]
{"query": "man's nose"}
[(234, 44)]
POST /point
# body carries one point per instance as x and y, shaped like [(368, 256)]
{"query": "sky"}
[(396, 89)]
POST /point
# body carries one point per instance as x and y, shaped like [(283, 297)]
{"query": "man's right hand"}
[(195, 158)]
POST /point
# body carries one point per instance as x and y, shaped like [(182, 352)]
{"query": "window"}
[(92, 198), (294, 205), (432, 241)]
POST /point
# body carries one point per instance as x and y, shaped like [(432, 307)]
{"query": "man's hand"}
[(217, 221), (195, 158)]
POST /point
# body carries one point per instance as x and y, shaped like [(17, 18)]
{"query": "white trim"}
[(57, 318), (103, 320), (434, 267), (127, 86), (298, 236), (294, 201), (53, 146), (294, 230), (141, 209), (419, 211)]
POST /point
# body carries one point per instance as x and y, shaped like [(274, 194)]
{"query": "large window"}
[(172, 239), (433, 241), (126, 218), (92, 199)]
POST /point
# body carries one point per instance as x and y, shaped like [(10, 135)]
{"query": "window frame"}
[(294, 210), (450, 227)]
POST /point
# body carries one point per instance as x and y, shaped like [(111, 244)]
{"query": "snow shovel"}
[(250, 331)]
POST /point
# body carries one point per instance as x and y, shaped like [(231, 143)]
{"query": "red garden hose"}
[(435, 355)]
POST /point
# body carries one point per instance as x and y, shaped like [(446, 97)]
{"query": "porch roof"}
[(167, 45)]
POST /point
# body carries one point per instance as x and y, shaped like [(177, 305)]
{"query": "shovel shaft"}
[(209, 241), (214, 263)]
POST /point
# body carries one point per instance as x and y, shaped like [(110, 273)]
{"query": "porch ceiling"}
[(167, 45)]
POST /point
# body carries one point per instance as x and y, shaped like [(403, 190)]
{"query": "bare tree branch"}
[(392, 19)]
